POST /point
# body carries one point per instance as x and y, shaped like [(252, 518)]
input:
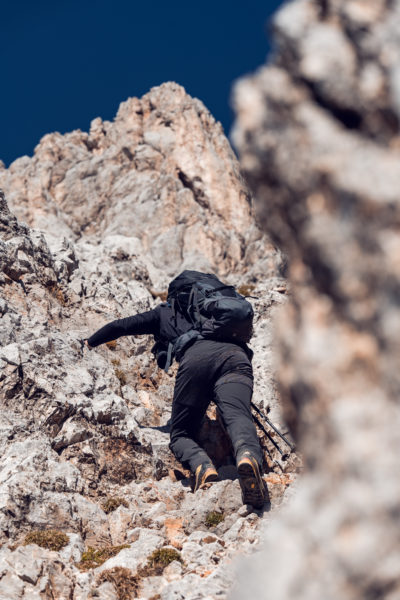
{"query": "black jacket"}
[(159, 322)]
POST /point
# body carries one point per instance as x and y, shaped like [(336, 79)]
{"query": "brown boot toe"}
[(204, 475)]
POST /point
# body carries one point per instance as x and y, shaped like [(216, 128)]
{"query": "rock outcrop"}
[(162, 174), (112, 215), (318, 136)]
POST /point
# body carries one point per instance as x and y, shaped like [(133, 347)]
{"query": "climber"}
[(209, 369)]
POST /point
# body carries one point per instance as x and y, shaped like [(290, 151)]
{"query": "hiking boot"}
[(251, 482), (204, 474)]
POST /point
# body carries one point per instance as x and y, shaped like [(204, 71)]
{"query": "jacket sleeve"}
[(143, 323)]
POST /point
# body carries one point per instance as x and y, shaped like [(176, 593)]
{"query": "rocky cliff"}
[(100, 221), (167, 157), (318, 137)]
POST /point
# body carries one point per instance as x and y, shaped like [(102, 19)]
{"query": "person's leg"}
[(192, 395), (233, 392), (185, 422), (233, 401)]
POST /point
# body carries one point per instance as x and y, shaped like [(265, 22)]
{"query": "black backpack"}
[(215, 311)]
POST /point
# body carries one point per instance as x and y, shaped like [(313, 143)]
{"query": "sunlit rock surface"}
[(112, 215), (317, 132), (162, 174)]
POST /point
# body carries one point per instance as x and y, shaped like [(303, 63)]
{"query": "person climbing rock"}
[(205, 325)]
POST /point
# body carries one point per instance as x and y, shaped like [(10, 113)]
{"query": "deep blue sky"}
[(65, 62)]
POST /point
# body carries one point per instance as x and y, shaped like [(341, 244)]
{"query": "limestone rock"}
[(164, 162), (318, 136), (112, 214)]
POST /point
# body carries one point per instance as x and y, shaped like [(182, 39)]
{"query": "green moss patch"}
[(158, 560), (163, 556), (50, 539), (94, 557), (214, 518), (112, 504)]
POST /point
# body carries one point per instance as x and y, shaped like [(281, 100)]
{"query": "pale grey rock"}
[(173, 572), (138, 552), (195, 587), (200, 556), (122, 247), (73, 431), (11, 586), (28, 468), (317, 132), (162, 192), (165, 146), (39, 572), (109, 408), (84, 585), (72, 552), (106, 591), (119, 522), (26, 563), (78, 380), (10, 354), (93, 522), (151, 586)]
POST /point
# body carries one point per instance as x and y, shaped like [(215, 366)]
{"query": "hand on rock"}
[(85, 344)]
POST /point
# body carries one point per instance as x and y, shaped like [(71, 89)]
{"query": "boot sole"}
[(211, 478), (253, 491)]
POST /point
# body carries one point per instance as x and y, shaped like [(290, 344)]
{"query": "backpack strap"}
[(172, 303), (168, 362), (194, 301)]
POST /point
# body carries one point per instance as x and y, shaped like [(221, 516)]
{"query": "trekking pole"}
[(273, 460), (261, 426), (284, 438)]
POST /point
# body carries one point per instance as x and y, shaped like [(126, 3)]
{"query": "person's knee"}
[(172, 444), (235, 391), (173, 437)]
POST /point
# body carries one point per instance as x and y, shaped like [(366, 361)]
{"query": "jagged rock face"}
[(162, 174), (79, 427), (318, 138)]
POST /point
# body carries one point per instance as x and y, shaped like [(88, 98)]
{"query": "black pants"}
[(216, 371)]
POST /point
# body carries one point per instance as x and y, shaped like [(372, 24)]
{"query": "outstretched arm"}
[(143, 323)]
